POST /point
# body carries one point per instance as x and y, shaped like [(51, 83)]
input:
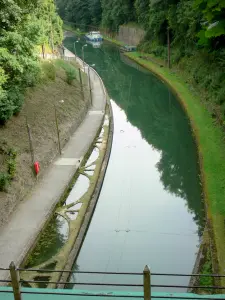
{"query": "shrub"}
[(68, 68), (11, 164), (32, 74), (70, 75), (4, 181), (49, 70), (3, 146), (16, 97), (159, 51), (12, 153), (6, 108)]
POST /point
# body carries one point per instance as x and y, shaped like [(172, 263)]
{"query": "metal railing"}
[(16, 283)]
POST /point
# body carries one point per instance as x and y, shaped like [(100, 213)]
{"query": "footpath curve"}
[(25, 224)]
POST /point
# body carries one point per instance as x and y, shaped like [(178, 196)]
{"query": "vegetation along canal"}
[(150, 209)]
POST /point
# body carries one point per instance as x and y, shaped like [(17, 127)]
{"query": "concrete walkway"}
[(19, 234)]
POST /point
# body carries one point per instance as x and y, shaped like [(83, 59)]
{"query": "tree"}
[(213, 22), (23, 26), (142, 12), (95, 10), (117, 12)]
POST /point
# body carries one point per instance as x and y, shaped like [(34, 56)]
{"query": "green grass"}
[(72, 29), (211, 145), (114, 41), (70, 70), (132, 25), (207, 269), (66, 66), (49, 71)]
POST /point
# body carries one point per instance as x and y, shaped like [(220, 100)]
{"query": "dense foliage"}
[(24, 24), (205, 18), (196, 29), (8, 167), (82, 13)]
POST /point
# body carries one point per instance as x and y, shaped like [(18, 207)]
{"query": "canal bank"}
[(21, 233), (155, 159), (209, 140), (61, 239)]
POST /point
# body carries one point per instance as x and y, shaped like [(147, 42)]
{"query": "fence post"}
[(15, 277), (89, 80), (57, 129), (30, 141), (81, 84), (147, 283)]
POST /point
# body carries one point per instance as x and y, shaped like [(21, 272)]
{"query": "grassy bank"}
[(114, 41), (59, 88), (210, 141), (69, 27)]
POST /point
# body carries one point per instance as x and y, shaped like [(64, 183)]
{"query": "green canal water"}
[(150, 209)]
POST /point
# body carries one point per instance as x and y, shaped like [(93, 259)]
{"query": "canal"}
[(150, 209)]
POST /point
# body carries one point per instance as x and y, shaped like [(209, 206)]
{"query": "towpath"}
[(20, 233)]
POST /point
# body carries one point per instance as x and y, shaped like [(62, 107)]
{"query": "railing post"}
[(30, 142), (81, 84), (89, 80), (57, 130), (15, 277), (147, 283)]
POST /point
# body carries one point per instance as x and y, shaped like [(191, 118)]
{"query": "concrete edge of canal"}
[(94, 199), (204, 246)]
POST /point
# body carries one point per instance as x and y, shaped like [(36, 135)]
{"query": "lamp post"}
[(75, 49), (83, 53), (89, 81)]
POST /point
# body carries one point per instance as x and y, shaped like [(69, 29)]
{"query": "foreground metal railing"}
[(146, 286)]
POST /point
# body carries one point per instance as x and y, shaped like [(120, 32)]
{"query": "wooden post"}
[(57, 129), (81, 84), (147, 283), (168, 45), (83, 57), (15, 277), (89, 80), (75, 50), (43, 51), (30, 142)]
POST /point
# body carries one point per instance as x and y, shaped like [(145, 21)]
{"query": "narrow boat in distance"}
[(94, 36)]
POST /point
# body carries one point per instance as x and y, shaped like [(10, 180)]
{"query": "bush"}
[(11, 164), (49, 70), (70, 75), (68, 68), (16, 97), (12, 153), (4, 181), (32, 75), (6, 108), (160, 51)]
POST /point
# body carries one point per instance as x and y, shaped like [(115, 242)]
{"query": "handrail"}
[(16, 283)]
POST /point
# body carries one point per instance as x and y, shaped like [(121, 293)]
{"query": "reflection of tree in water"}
[(51, 240), (153, 110)]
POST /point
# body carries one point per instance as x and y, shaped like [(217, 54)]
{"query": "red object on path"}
[(36, 167)]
